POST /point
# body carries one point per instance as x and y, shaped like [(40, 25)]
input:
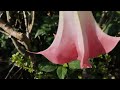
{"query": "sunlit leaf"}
[(61, 72), (74, 64)]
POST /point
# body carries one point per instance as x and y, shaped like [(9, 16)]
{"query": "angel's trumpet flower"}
[(78, 37)]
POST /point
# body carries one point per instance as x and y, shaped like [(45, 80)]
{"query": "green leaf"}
[(61, 72), (74, 64), (118, 12), (108, 28), (40, 32), (48, 67)]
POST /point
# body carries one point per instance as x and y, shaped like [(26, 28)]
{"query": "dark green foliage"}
[(104, 66)]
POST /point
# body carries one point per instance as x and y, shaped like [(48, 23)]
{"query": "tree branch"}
[(14, 40), (8, 16), (26, 25), (102, 18), (18, 35), (9, 71), (10, 31), (30, 26), (17, 46), (4, 32)]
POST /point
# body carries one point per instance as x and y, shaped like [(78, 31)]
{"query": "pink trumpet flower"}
[(78, 38)]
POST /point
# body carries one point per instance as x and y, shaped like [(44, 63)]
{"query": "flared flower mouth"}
[(78, 37)]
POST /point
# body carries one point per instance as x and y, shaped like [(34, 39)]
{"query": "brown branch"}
[(8, 16), (4, 32), (18, 35), (30, 26), (17, 46), (10, 30), (102, 18), (26, 25), (14, 40)]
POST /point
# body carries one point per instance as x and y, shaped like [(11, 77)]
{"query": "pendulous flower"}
[(78, 38)]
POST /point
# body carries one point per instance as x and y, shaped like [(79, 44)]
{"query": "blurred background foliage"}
[(14, 65)]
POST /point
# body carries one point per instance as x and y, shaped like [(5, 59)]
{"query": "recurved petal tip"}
[(86, 65)]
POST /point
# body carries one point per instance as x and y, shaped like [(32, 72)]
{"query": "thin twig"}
[(17, 46), (111, 17), (8, 16), (102, 18), (30, 26), (14, 40), (26, 25), (20, 75), (16, 72), (1, 13), (21, 42), (9, 71), (25, 20)]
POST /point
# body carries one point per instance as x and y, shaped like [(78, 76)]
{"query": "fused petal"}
[(78, 37)]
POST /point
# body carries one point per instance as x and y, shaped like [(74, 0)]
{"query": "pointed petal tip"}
[(35, 52), (84, 66)]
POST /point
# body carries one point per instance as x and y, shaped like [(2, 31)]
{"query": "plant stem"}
[(9, 71)]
